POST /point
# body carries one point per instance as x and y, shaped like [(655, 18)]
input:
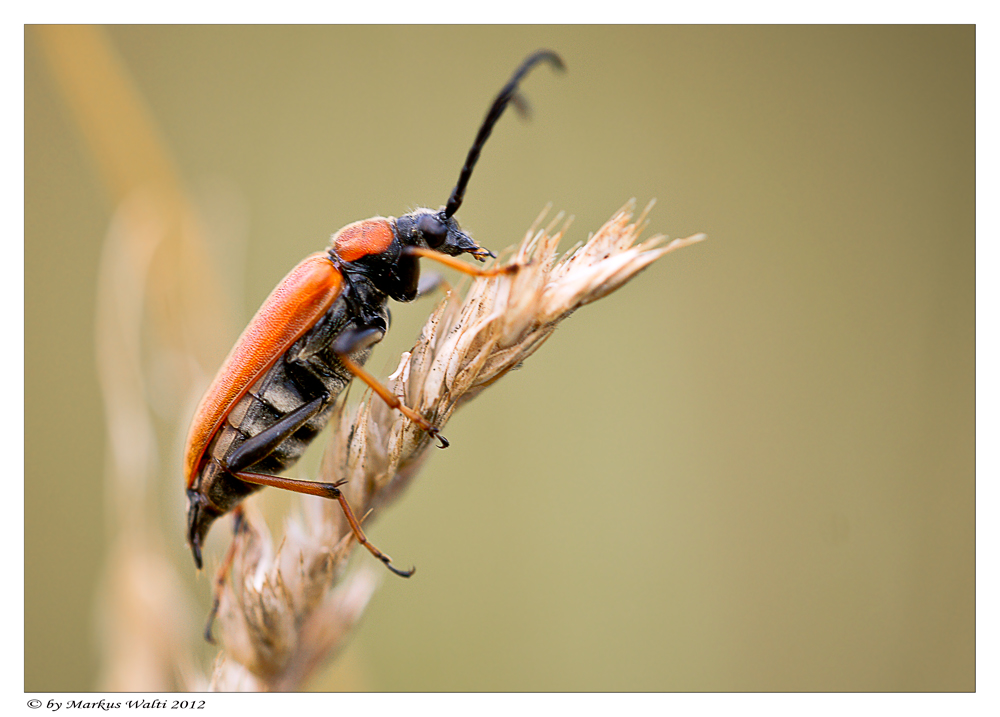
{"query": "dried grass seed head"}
[(288, 611)]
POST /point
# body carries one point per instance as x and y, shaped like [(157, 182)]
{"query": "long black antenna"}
[(508, 93)]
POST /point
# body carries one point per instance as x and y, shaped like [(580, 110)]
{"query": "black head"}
[(424, 232), (431, 229)]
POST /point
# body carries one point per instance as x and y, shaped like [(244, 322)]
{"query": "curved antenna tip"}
[(506, 95)]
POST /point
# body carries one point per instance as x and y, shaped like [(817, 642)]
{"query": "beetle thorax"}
[(365, 238)]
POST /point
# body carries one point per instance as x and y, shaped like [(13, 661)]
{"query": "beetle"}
[(277, 388)]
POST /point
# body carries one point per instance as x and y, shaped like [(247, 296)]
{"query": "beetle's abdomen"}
[(283, 389)]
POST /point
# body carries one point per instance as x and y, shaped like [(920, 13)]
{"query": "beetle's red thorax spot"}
[(364, 238)]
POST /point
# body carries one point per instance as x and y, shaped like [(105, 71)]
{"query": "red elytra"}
[(294, 306)]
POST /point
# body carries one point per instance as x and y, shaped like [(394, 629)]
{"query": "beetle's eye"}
[(433, 229)]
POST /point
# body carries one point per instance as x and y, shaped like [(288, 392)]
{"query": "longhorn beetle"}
[(277, 388)]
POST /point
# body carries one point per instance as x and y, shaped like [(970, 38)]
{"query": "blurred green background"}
[(750, 469)]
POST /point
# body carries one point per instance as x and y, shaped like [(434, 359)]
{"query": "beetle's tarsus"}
[(209, 638), (400, 573), (437, 434), (196, 551)]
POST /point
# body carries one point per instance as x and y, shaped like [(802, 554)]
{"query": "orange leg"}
[(239, 525), (324, 490), (459, 265)]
